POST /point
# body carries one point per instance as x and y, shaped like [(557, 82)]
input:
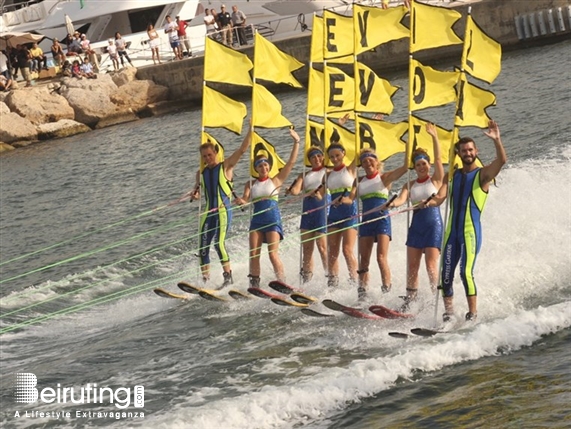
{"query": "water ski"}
[(400, 335), (296, 294), (387, 313), (261, 293), (166, 294), (423, 332), (287, 303), (238, 295), (210, 296), (313, 313), (349, 311)]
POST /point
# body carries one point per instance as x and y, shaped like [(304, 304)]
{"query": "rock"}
[(89, 105), (14, 128), (104, 83), (124, 76), (119, 117), (138, 93), (39, 105), (4, 109), (5, 147), (22, 143), (63, 128)]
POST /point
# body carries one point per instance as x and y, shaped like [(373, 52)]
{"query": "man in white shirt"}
[(239, 22), (171, 28)]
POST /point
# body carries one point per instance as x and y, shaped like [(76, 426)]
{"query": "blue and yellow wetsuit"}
[(463, 236), (216, 219)]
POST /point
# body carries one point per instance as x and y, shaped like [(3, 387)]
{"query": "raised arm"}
[(390, 176), (437, 161), (490, 171), (232, 160), (284, 172)]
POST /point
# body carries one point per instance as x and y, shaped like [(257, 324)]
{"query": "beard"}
[(468, 160)]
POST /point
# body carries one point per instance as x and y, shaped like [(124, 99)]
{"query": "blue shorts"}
[(342, 216), (175, 44), (316, 221), (425, 229), (377, 227)]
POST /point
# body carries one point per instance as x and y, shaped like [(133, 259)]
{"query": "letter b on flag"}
[(26, 392)]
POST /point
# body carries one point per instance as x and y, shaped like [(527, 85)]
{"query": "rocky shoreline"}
[(74, 106)]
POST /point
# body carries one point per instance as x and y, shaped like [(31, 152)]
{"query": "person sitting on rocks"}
[(76, 70), (38, 58), (5, 83), (87, 69), (74, 46), (86, 46), (66, 69)]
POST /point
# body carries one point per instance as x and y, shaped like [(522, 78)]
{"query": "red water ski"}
[(261, 293), (349, 311), (387, 313)]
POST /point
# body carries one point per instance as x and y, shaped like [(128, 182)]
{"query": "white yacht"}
[(99, 20)]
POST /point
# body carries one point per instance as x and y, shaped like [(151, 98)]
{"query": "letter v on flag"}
[(482, 55), (431, 27), (367, 21), (374, 93), (220, 111), (273, 65), (223, 64)]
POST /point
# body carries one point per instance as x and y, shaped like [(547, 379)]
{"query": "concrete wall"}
[(496, 17)]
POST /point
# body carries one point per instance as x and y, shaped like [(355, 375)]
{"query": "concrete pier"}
[(514, 23)]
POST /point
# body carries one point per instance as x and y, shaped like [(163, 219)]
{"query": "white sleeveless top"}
[(313, 179), (340, 180), (263, 189), (373, 187), (421, 191)]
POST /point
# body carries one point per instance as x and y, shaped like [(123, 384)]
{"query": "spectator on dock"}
[(172, 30), (86, 47), (113, 55), (182, 36), (210, 22), (154, 42), (225, 24), (122, 49), (239, 22)]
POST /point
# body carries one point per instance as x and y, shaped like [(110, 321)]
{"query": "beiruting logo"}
[(27, 393)]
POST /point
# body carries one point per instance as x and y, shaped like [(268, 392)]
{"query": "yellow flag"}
[(221, 111), (316, 52), (384, 137), (368, 22), (207, 138), (223, 64), (472, 105), (431, 88), (267, 110), (273, 65), (482, 56), (265, 148), (422, 139), (337, 35), (339, 91), (431, 27), (374, 94), (316, 98)]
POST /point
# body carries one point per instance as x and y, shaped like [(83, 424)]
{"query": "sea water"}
[(86, 233)]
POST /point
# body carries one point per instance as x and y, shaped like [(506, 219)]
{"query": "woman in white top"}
[(425, 231), (210, 22), (314, 219), (265, 226), (154, 41)]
